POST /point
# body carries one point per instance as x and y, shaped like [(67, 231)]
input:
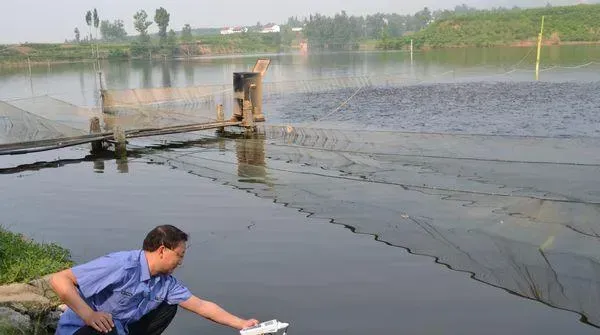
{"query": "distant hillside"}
[(580, 23)]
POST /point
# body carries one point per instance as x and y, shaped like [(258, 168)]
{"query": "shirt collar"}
[(144, 269)]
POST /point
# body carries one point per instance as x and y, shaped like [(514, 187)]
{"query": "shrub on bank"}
[(22, 260)]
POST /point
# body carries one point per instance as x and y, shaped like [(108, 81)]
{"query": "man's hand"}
[(63, 284), (100, 321), (248, 323)]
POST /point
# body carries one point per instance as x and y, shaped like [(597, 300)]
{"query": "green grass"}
[(579, 23), (42, 53), (55, 52), (6, 329), (22, 260)]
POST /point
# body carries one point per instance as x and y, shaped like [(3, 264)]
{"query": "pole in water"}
[(248, 116), (97, 146), (411, 51), (121, 150), (100, 80), (30, 78), (539, 51), (120, 143), (220, 117)]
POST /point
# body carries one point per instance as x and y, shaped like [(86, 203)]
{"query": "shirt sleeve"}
[(96, 275), (177, 292)]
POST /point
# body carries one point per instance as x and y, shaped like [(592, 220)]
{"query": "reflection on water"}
[(99, 166), (166, 74), (146, 75), (250, 154), (188, 69), (70, 81), (122, 165)]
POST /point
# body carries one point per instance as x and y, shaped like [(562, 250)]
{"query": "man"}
[(133, 292)]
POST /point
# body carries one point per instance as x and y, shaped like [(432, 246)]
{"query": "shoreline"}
[(24, 63), (518, 44)]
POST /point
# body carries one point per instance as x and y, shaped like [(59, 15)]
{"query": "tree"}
[(342, 33), (187, 38), (161, 17), (294, 22), (88, 21), (114, 31), (423, 18), (186, 33), (172, 39), (96, 24), (375, 25), (96, 19), (77, 35), (141, 24)]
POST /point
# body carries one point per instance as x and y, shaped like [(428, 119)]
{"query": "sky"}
[(54, 20)]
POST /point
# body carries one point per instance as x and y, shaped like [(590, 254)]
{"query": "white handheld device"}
[(267, 327)]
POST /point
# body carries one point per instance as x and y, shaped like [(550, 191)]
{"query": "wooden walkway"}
[(57, 143), (68, 129)]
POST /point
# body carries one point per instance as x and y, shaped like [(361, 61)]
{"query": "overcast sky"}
[(54, 20)]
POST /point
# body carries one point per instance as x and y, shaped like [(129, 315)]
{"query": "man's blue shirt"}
[(120, 284)]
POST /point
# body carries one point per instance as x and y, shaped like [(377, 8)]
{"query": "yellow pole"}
[(411, 51), (539, 51)]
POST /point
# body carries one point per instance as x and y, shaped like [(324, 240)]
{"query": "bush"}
[(118, 53), (22, 260)]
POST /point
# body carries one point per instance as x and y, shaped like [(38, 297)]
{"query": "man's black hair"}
[(167, 235)]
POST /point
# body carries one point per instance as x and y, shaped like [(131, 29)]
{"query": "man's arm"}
[(214, 312), (64, 284)]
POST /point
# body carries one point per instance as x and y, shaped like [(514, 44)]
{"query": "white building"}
[(271, 28), (297, 29), (233, 30)]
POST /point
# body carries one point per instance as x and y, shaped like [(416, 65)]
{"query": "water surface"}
[(452, 194)]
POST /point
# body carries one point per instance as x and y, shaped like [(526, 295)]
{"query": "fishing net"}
[(40, 118), (519, 213)]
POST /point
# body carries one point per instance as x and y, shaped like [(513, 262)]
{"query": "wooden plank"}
[(262, 64)]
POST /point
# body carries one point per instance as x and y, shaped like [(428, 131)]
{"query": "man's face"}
[(172, 258)]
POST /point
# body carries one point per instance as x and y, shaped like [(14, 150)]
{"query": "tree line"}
[(460, 26), (342, 31), (321, 30), (142, 44)]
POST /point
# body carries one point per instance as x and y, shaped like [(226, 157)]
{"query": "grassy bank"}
[(516, 27), (22, 260), (42, 53), (6, 329)]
